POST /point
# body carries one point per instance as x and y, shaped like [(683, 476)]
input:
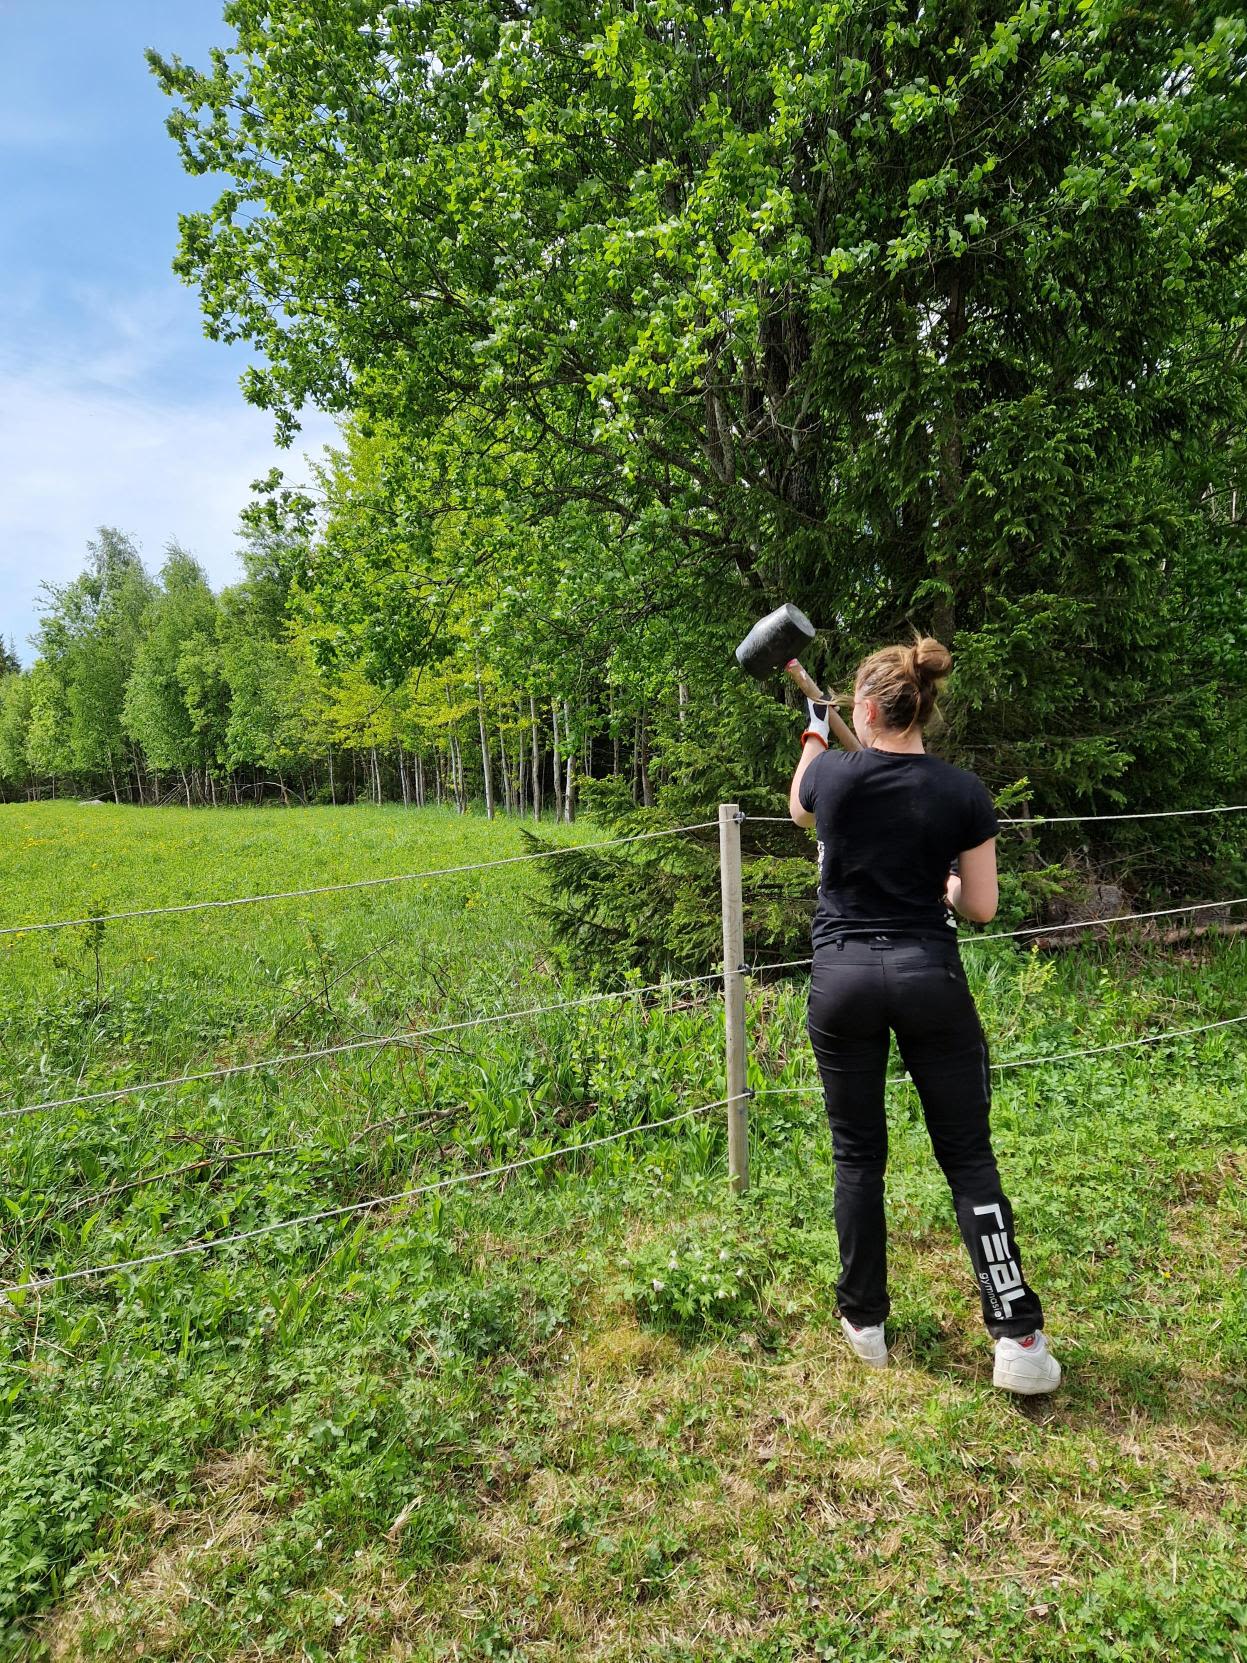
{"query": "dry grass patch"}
[(142, 1598), (626, 1351), (685, 1499)]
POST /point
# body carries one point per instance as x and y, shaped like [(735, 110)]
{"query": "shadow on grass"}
[(1102, 1385), (1117, 1383)]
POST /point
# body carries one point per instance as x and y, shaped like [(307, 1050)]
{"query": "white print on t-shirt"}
[(1002, 1280)]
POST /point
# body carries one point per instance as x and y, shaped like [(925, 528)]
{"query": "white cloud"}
[(129, 336), (77, 453)]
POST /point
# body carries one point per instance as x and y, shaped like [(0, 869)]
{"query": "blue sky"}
[(114, 409)]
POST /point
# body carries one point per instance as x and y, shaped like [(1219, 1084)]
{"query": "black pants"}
[(861, 988)]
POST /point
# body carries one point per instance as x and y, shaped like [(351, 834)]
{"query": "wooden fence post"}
[(730, 818)]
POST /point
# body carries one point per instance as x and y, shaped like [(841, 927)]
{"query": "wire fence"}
[(1045, 929), (1114, 918), (37, 1284), (372, 1043), (359, 883), (408, 1038), (372, 1204), (1040, 820), (1048, 1057), (1035, 821)]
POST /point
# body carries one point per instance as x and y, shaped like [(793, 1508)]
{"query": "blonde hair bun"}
[(905, 681), (932, 660)]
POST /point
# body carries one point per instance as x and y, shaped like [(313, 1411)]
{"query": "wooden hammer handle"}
[(806, 683)]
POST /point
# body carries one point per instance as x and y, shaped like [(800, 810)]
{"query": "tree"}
[(205, 690), (90, 635), (48, 749), (155, 711), (929, 317), (15, 712), (257, 663)]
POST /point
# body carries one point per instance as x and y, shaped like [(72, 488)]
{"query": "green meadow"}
[(596, 1407)]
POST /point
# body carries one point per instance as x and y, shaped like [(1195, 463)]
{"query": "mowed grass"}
[(470, 1426)]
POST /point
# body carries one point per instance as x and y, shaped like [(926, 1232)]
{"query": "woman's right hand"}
[(816, 723)]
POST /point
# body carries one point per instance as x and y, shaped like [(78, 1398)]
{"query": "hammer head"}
[(773, 640)]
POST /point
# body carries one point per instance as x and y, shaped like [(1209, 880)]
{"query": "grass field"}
[(470, 1426)]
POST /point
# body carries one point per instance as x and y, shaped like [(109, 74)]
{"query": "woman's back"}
[(888, 825)]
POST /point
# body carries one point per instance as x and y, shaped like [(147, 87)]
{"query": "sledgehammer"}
[(774, 643)]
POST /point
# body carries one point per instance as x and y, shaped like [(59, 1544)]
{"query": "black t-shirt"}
[(888, 825)]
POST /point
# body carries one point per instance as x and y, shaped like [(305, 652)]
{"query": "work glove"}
[(816, 727)]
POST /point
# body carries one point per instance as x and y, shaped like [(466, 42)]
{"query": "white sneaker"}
[(868, 1343), (1026, 1365)]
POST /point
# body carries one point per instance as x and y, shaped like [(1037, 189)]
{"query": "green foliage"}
[(48, 748), (88, 639), (178, 627), (16, 694), (639, 322), (654, 906), (690, 313), (702, 1281), (315, 1442)]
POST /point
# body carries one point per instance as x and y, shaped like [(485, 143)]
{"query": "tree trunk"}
[(558, 761), (569, 789), (532, 712), (402, 778), (376, 777), (485, 763), (504, 770), (647, 790), (333, 796), (943, 613)]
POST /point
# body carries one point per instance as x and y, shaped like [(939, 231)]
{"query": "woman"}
[(903, 837)]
